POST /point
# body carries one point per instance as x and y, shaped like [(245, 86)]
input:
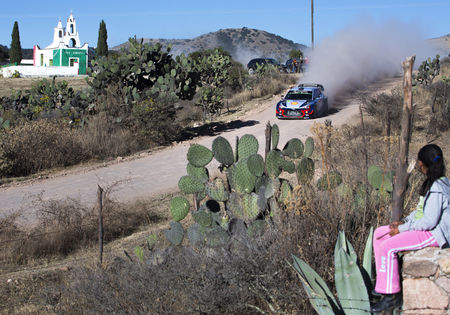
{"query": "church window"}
[(42, 60), (60, 34), (50, 62), (73, 42), (71, 28)]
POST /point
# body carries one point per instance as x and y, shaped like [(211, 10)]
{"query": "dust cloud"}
[(362, 53)]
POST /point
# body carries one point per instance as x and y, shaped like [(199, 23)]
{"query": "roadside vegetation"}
[(250, 274), (135, 100)]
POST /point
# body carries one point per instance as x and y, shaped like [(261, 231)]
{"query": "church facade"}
[(65, 50)]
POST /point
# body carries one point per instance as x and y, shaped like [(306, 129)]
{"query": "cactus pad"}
[(293, 148), (203, 217), (179, 208), (201, 173), (194, 235), (285, 191), (275, 136), (288, 166), (216, 190), (244, 181), (305, 170), (234, 205), (190, 185), (255, 164), (216, 237), (250, 206), (176, 233), (375, 176), (266, 183), (222, 151), (273, 163), (199, 155), (248, 145), (329, 181), (309, 147)]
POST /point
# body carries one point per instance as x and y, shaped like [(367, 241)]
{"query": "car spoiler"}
[(316, 85)]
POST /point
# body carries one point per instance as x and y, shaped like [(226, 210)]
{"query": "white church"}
[(65, 56)]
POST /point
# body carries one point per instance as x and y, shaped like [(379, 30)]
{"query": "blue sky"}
[(188, 19)]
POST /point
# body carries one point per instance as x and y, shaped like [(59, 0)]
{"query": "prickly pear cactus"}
[(309, 147), (274, 160), (190, 185), (234, 205), (378, 181), (285, 191), (255, 164), (293, 148), (266, 183), (203, 217), (194, 235), (288, 166), (216, 190), (375, 176), (305, 170), (329, 181), (216, 237), (176, 233), (244, 180), (275, 136), (222, 151), (248, 145), (179, 208), (200, 173), (250, 206), (199, 155)]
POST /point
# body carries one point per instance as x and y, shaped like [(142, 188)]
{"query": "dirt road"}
[(159, 172)]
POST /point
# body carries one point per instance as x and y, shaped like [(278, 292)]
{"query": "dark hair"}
[(431, 156)]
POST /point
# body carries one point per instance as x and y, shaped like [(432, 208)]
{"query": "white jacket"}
[(436, 213)]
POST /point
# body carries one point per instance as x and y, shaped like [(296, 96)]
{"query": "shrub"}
[(34, 146), (386, 108)]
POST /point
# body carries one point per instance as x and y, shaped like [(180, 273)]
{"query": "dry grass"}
[(27, 148), (66, 226), (8, 84), (267, 86)]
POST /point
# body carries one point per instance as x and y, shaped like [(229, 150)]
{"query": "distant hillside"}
[(242, 43), (442, 44)]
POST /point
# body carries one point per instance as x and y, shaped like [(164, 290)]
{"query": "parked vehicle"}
[(303, 102), (253, 64)]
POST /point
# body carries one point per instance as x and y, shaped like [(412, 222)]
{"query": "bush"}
[(34, 146), (385, 108)]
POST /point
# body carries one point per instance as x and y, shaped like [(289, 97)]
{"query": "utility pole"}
[(312, 24)]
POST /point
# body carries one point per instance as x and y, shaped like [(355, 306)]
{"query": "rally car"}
[(303, 102)]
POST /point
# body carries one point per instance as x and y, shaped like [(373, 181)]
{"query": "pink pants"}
[(386, 249)]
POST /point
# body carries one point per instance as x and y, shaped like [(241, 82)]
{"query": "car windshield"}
[(299, 95)]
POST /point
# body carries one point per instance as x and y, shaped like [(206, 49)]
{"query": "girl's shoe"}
[(387, 302)]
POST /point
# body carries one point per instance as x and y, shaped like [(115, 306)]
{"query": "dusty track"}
[(158, 172)]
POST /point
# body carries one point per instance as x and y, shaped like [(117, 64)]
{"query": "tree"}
[(4, 54), (102, 45), (295, 54), (15, 53)]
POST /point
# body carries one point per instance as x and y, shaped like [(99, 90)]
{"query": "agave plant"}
[(352, 282)]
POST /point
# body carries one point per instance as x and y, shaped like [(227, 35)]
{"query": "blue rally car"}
[(303, 102)]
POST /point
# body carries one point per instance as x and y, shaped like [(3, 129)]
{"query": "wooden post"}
[(401, 175), (100, 223), (312, 24)]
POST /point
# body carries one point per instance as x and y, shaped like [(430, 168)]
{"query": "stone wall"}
[(426, 281)]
